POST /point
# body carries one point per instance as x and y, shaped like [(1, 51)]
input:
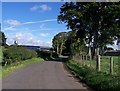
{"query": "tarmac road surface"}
[(43, 75)]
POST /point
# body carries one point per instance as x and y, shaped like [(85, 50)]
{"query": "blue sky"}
[(0, 11), (31, 23)]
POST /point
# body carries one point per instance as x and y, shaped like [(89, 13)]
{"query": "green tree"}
[(68, 43), (95, 23), (58, 42), (2, 39)]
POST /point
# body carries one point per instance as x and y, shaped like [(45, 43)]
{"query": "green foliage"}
[(97, 80), (96, 23), (68, 43), (58, 42), (1, 54), (2, 39), (16, 54), (54, 55), (79, 71), (46, 55), (102, 81)]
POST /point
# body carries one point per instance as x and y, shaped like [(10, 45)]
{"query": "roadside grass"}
[(99, 81), (1, 54), (6, 70), (1, 61), (105, 64)]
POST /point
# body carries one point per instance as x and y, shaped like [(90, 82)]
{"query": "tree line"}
[(2, 39), (66, 43), (94, 24)]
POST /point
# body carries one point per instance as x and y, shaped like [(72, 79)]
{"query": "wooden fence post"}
[(98, 63), (83, 60), (73, 57), (86, 57), (111, 65), (90, 61)]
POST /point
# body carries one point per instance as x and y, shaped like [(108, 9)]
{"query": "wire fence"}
[(106, 64)]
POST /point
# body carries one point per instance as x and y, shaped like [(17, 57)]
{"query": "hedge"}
[(46, 55), (16, 54)]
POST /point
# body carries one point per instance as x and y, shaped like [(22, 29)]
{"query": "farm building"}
[(118, 43), (114, 52), (42, 48)]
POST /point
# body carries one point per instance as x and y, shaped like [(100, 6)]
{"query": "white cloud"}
[(13, 22), (16, 22), (26, 39), (33, 22), (44, 34), (48, 20), (42, 26), (43, 7), (114, 46), (18, 36), (34, 8), (9, 28), (28, 23)]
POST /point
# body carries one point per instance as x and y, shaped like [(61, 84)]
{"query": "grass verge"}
[(97, 80), (6, 70), (105, 64)]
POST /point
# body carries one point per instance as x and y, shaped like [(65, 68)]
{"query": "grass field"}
[(105, 64)]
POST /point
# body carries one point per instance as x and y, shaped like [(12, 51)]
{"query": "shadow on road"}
[(70, 74), (61, 59)]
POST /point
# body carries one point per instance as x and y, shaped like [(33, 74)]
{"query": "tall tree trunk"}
[(97, 51), (94, 44), (61, 48), (101, 50), (97, 26), (57, 48), (89, 53), (96, 41)]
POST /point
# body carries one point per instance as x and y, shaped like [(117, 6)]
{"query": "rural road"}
[(43, 75)]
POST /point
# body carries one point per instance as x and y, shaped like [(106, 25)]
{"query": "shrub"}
[(46, 55), (55, 55), (16, 54)]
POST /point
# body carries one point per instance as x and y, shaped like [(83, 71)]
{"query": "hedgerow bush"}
[(46, 55), (16, 54), (97, 80)]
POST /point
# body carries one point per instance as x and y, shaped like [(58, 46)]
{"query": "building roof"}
[(112, 53)]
